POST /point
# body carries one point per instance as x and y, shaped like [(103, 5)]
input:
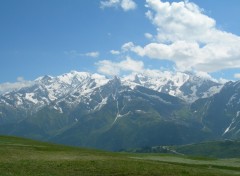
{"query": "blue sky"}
[(52, 37)]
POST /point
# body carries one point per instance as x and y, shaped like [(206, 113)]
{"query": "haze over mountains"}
[(152, 108)]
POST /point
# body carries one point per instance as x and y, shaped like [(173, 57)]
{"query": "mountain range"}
[(137, 110)]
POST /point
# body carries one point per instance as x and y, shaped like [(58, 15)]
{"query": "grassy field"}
[(26, 157)]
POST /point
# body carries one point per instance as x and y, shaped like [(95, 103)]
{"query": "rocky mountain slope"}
[(220, 114), (138, 110)]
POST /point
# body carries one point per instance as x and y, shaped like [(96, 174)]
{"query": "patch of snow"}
[(238, 113), (156, 80), (229, 127), (140, 111), (51, 97), (58, 109), (120, 116), (67, 78), (213, 90), (29, 97), (3, 101), (19, 101), (173, 93), (100, 79), (233, 97), (157, 97), (54, 86), (101, 104), (45, 100), (132, 85), (194, 90)]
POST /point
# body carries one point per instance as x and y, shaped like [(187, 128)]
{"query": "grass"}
[(218, 149), (27, 157)]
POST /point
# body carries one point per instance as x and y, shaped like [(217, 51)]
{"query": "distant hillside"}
[(218, 149), (214, 149)]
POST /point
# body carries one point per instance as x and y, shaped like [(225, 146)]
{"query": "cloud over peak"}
[(21, 82), (115, 68)]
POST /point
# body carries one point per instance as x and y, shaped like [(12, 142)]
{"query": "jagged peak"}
[(46, 78), (137, 79), (232, 84), (114, 82), (178, 84)]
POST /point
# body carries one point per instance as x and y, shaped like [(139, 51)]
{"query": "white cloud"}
[(189, 38), (7, 87), (179, 20), (115, 68), (20, 79), (74, 53), (237, 75), (109, 3), (207, 76), (115, 52), (127, 46), (148, 35), (126, 5), (222, 80), (92, 54)]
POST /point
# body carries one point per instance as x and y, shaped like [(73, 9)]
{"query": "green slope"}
[(26, 157), (212, 149), (217, 149)]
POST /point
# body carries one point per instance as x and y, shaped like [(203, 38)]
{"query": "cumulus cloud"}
[(74, 53), (115, 68), (189, 38), (109, 3), (126, 5), (21, 82), (127, 46), (148, 35), (115, 52)]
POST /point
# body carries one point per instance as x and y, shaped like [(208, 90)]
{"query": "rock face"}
[(138, 110), (220, 114)]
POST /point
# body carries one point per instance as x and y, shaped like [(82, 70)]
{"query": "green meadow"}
[(26, 157)]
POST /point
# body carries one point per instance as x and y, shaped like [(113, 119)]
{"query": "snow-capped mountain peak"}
[(75, 87), (48, 89), (88, 102), (186, 86)]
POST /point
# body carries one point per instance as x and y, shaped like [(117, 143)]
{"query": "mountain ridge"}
[(91, 110), (177, 84)]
